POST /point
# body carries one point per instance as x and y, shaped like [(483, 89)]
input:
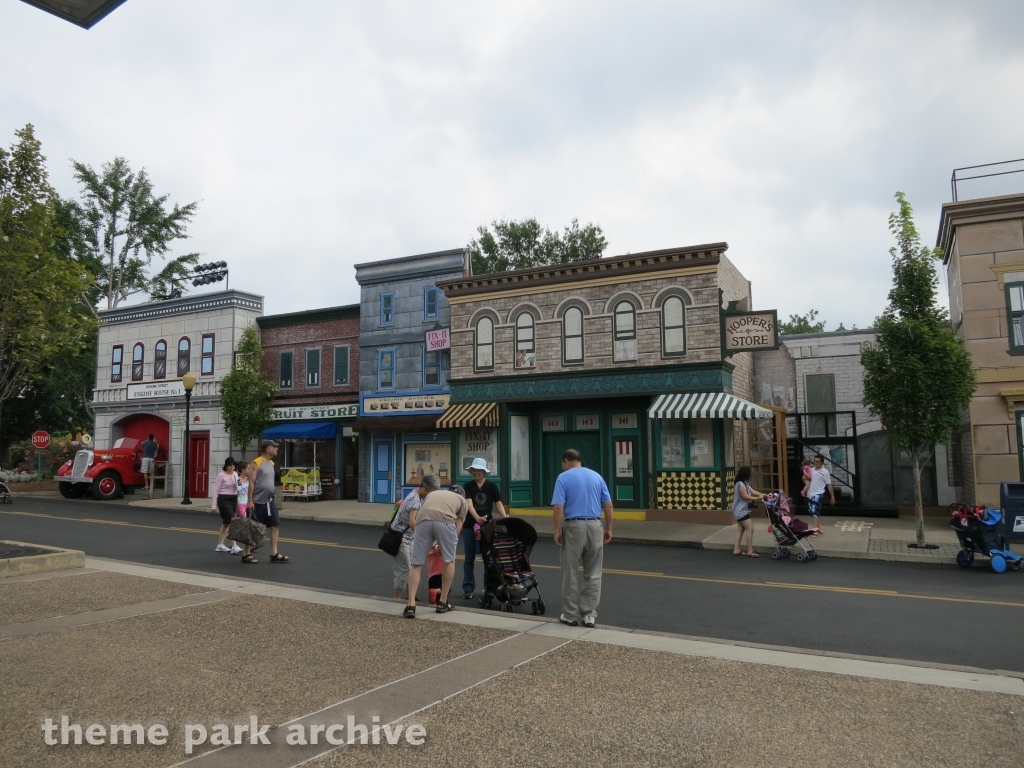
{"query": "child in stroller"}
[(788, 530), (5, 494), (977, 528), (505, 546)]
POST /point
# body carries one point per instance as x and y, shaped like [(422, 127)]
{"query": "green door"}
[(556, 443)]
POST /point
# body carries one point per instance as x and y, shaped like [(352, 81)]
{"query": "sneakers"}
[(589, 622), (236, 550), (467, 595), (221, 548), (568, 622)]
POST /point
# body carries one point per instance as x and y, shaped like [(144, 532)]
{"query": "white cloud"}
[(318, 134)]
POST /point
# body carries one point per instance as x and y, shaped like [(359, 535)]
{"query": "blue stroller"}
[(978, 531)]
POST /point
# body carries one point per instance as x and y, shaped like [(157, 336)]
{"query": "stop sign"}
[(40, 439)]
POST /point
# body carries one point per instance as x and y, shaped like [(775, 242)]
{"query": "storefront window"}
[(520, 447), (672, 456), (479, 443), (301, 454), (702, 443), (423, 459)]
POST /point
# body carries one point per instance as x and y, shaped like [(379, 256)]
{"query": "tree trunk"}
[(918, 504)]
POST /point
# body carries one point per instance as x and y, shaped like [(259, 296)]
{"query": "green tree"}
[(120, 226), (41, 319), (918, 377), (246, 395), (802, 324), (522, 244)]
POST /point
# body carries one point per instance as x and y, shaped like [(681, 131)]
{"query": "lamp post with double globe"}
[(189, 382)]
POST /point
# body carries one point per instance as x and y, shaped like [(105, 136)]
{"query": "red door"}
[(199, 466)]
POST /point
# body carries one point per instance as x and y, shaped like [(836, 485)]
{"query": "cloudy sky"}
[(322, 134)]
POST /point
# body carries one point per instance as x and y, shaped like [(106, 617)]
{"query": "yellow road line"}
[(614, 571)]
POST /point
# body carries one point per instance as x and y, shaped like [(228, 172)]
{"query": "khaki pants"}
[(582, 544)]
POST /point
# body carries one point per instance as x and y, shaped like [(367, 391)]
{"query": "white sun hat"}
[(480, 464)]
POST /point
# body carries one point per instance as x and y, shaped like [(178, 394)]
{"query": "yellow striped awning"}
[(705, 405), (469, 415)]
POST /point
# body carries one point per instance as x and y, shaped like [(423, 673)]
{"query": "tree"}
[(523, 244), (918, 377), (802, 324), (121, 226), (41, 319), (246, 395)]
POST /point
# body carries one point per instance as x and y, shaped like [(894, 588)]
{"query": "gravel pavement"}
[(65, 595), (206, 664), (583, 705)]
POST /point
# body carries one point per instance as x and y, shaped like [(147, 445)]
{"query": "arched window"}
[(673, 327), (624, 331), (160, 360), (484, 344), (138, 361), (524, 340), (572, 335), (184, 356)]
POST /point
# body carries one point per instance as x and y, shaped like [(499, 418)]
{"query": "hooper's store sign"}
[(749, 331)]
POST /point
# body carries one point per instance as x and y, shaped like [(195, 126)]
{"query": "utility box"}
[(1011, 504)]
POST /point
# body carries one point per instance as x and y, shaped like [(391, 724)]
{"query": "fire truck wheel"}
[(107, 486), (73, 490)]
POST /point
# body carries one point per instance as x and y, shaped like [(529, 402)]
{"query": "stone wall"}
[(699, 289)]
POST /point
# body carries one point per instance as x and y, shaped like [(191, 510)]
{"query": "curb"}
[(761, 549)]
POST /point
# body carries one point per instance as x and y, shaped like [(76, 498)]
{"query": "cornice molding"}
[(601, 384), (183, 306)]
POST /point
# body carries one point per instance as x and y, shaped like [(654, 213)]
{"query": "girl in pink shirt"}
[(225, 501)]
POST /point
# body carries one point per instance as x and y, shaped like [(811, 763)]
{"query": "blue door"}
[(382, 470)]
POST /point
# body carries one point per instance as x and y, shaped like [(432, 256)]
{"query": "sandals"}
[(752, 554), (409, 612), (444, 607), (277, 557), (249, 559)]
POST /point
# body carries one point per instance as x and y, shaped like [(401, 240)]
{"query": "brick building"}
[(314, 358), (403, 385), (621, 358), (983, 244)]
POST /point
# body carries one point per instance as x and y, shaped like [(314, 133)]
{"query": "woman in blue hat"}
[(484, 500)]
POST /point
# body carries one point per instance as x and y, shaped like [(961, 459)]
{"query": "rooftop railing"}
[(990, 180)]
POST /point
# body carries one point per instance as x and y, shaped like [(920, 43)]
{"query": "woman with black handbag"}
[(404, 523)]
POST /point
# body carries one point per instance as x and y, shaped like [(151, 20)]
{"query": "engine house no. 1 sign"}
[(749, 331)]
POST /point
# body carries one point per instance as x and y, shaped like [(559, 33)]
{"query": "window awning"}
[(469, 415), (705, 405), (302, 430)]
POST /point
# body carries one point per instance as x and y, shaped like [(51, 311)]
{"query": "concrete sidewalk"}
[(119, 642), (863, 538)]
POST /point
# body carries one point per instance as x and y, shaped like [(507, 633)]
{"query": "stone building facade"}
[(575, 355), (403, 385), (314, 358), (983, 245), (144, 350)]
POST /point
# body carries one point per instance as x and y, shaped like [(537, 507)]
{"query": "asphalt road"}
[(931, 613)]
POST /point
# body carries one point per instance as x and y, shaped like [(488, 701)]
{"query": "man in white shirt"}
[(821, 480)]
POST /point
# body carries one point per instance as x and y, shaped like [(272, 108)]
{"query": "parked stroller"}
[(5, 494), (787, 530), (978, 531), (505, 547)]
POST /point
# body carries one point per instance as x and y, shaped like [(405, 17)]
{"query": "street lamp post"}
[(189, 382)]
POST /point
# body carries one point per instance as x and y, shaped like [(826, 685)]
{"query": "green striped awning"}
[(469, 415), (705, 405)]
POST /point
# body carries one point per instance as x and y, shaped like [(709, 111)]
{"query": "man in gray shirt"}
[(261, 500)]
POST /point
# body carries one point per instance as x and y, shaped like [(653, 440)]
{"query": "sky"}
[(321, 134)]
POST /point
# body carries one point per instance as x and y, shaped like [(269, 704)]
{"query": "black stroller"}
[(505, 547), (5, 494)]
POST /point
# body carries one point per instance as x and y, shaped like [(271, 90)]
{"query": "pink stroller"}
[(787, 530)]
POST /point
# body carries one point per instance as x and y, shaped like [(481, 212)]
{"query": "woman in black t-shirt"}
[(484, 499)]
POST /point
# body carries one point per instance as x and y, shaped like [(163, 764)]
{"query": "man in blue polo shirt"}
[(579, 497)]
